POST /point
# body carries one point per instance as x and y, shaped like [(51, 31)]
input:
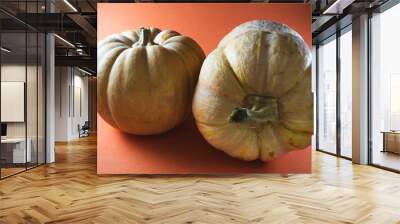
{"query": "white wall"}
[(12, 73), (71, 102), (62, 81)]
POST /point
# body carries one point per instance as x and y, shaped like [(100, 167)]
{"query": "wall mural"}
[(186, 88)]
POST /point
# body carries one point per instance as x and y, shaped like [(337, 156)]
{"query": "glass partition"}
[(14, 155), (32, 96), (346, 93), (22, 77), (385, 89), (334, 94), (327, 96)]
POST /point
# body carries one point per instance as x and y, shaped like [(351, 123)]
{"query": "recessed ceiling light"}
[(84, 71), (64, 40), (337, 7), (70, 5), (5, 50)]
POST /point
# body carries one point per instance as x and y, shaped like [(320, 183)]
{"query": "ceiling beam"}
[(78, 61), (88, 29)]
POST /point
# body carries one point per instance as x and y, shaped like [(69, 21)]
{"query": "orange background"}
[(183, 150)]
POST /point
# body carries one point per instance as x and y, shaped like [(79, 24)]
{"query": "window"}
[(334, 106), (346, 93), (327, 96), (385, 89)]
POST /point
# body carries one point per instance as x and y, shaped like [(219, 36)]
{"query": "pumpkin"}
[(146, 79), (253, 99)]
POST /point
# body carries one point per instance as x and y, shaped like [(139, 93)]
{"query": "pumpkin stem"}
[(260, 109), (144, 37)]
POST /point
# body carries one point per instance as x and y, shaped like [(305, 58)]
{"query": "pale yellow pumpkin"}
[(146, 79), (253, 99)]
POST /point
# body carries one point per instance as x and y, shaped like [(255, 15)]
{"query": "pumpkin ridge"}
[(190, 79), (296, 131), (289, 140), (272, 152), (305, 121), (121, 56), (181, 60), (232, 39), (160, 39), (256, 132), (257, 25), (111, 39), (199, 58), (225, 59), (106, 73), (258, 46), (131, 35), (261, 34), (197, 49), (298, 82), (285, 53), (261, 44), (127, 41), (154, 31), (259, 143), (193, 47), (211, 124), (212, 89), (111, 44), (296, 110)]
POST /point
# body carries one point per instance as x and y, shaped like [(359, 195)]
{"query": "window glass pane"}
[(31, 85), (345, 94), (14, 150), (31, 97), (314, 78), (327, 97), (22, 89), (385, 87)]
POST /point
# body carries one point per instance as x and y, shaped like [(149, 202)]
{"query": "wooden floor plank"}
[(70, 191)]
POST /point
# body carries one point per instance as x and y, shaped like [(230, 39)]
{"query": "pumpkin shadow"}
[(181, 150), (183, 146)]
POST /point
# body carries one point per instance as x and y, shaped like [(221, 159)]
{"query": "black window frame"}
[(346, 26)]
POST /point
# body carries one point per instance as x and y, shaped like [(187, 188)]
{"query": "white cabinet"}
[(17, 147)]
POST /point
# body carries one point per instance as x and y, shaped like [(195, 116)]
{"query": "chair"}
[(84, 130)]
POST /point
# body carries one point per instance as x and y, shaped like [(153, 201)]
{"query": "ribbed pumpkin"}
[(253, 99), (146, 79)]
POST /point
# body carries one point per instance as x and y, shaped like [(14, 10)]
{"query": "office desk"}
[(391, 141), (13, 150)]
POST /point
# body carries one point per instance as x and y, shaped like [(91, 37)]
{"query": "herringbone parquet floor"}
[(69, 191)]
